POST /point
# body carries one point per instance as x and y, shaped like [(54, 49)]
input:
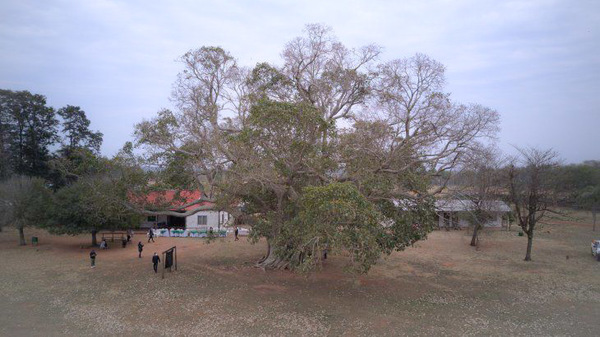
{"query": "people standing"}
[(236, 232), (93, 258), (150, 235), (140, 248), (155, 261)]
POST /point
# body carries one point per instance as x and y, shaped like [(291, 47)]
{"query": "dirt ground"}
[(441, 287)]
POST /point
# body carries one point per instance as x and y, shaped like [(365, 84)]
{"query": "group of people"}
[(155, 257), (104, 245)]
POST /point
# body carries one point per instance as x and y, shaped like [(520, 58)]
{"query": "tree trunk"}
[(272, 261), (22, 237), (474, 239), (94, 241), (529, 244)]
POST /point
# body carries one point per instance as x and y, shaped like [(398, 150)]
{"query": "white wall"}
[(496, 222), (212, 220)]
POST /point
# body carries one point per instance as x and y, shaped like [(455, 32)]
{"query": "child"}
[(140, 248), (93, 258)]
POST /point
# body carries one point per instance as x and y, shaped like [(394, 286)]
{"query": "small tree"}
[(90, 205), (530, 189), (97, 200), (23, 202), (590, 199), (477, 183)]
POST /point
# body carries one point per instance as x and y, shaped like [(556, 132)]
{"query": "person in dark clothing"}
[(150, 235), (155, 261), (236, 232), (93, 258), (140, 248), (128, 237)]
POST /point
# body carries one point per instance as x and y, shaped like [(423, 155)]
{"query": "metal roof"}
[(464, 205)]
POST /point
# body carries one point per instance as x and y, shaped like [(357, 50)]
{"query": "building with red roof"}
[(182, 209)]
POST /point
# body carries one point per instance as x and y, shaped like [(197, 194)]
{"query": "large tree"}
[(32, 129), (24, 201), (264, 139), (531, 189)]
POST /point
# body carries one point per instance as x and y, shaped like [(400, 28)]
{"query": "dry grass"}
[(442, 286)]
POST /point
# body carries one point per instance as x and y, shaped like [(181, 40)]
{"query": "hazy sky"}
[(536, 62)]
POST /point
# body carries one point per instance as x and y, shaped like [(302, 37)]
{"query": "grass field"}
[(440, 287)]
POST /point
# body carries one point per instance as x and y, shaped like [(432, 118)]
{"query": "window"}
[(202, 220), (151, 218)]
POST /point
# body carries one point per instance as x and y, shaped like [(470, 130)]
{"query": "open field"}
[(440, 287)]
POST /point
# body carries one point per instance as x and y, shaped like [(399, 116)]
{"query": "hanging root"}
[(273, 261)]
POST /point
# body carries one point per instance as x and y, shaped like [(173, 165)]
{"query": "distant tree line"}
[(52, 174), (30, 130)]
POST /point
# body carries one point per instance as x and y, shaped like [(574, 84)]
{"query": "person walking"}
[(140, 248), (236, 232), (150, 235), (155, 261), (93, 258)]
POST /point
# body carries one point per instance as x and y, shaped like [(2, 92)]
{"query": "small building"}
[(455, 213), (195, 214)]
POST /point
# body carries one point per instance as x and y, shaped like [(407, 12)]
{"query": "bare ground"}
[(442, 287)]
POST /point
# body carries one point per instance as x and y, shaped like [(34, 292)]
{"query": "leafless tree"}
[(478, 183), (531, 190), (421, 122), (423, 116), (327, 74)]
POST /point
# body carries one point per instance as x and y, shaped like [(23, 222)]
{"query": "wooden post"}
[(164, 261)]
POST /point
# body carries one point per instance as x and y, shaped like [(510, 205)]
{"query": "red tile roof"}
[(175, 199)]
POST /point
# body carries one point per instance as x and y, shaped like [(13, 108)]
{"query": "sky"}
[(536, 62)]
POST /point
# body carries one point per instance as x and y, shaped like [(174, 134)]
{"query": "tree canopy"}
[(265, 142), (29, 128), (531, 189), (24, 201)]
